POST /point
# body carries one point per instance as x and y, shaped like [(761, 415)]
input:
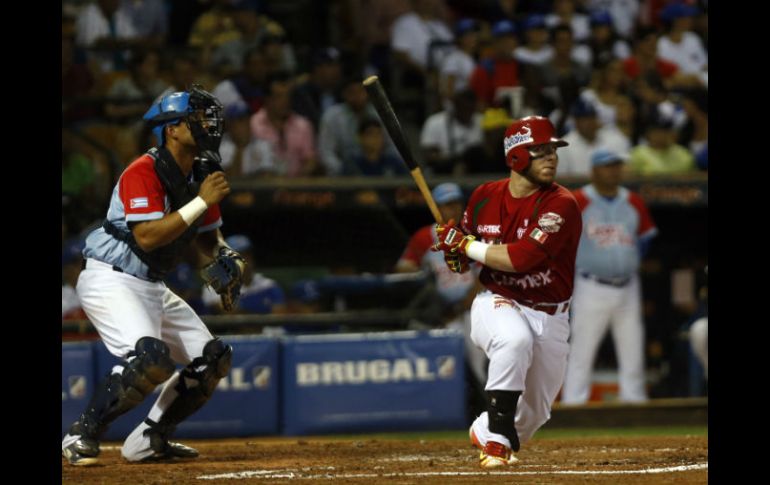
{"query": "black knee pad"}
[(197, 383), (502, 415), (151, 366)]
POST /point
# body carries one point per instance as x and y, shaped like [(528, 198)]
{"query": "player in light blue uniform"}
[(617, 228)]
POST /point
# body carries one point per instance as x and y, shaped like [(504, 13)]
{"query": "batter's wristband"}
[(477, 250), (193, 210)]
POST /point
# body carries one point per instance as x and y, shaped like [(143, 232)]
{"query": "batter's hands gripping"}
[(452, 240), (457, 263), (224, 276)]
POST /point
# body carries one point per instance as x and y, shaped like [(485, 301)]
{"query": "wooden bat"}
[(385, 110)]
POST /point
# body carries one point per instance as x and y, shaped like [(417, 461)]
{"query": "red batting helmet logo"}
[(524, 133)]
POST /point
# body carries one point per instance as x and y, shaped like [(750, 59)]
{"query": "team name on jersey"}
[(528, 281), (378, 371), (607, 235), (490, 230)]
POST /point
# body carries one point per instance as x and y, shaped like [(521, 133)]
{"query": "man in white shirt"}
[(447, 135), (681, 45), (587, 136)]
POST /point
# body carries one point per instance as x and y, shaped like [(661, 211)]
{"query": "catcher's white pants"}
[(527, 352), (595, 308), (124, 309)]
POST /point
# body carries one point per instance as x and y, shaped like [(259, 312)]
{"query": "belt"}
[(549, 308), (115, 268), (616, 282)]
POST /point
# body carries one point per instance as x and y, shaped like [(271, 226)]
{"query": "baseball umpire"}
[(164, 201), (525, 231)]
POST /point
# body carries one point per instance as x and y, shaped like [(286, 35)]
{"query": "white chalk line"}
[(273, 474)]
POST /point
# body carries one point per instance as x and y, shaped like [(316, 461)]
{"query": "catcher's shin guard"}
[(196, 383), (120, 393), (502, 415)]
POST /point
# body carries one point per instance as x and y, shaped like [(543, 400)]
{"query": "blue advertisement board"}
[(373, 382), (77, 380), (245, 402)]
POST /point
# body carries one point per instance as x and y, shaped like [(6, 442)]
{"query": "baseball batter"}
[(525, 231), (165, 200), (617, 228)]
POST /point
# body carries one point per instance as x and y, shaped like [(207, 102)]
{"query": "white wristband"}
[(477, 250), (193, 210)]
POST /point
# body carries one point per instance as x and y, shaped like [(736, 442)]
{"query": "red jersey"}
[(542, 231)]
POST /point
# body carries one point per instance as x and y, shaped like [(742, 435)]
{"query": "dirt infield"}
[(600, 460)]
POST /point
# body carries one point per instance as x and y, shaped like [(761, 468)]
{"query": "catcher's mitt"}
[(224, 276)]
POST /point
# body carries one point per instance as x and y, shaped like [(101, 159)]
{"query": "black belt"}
[(120, 270), (616, 282)]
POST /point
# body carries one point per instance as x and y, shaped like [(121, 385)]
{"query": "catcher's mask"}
[(523, 134), (198, 108)]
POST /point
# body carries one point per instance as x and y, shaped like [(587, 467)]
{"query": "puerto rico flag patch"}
[(538, 235), (139, 203)]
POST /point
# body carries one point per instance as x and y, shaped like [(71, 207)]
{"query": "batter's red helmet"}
[(524, 133)]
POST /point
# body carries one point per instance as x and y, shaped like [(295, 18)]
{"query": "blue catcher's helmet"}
[(171, 108), (207, 129)]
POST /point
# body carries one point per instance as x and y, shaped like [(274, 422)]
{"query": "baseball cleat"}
[(75, 456), (475, 441), (495, 455), (170, 450)]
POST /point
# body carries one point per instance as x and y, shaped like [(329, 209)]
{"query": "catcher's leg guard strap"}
[(502, 415), (120, 393), (196, 383)]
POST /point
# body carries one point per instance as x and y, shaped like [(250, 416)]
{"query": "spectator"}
[(607, 89), (499, 71), (290, 135), (457, 67), (278, 54), (624, 14), (448, 136), (604, 43), (455, 291), (77, 79), (105, 27), (586, 137), (130, 95), (212, 28), (617, 229), (494, 122), (413, 35), (536, 50), (149, 18), (313, 97), (645, 60), (373, 159), (243, 156), (681, 45), (661, 154), (184, 72), (564, 14), (564, 75), (259, 294), (338, 133), (248, 87)]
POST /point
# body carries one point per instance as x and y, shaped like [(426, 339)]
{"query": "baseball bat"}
[(389, 119)]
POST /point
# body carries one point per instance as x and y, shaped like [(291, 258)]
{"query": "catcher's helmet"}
[(178, 106), (524, 133)]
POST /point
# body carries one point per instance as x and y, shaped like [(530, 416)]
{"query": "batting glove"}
[(451, 239), (457, 263)]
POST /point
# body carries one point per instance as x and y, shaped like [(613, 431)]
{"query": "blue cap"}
[(534, 22), (72, 250), (239, 243), (582, 108), (677, 10), (602, 156), (602, 17), (465, 25), (236, 110), (447, 192), (503, 27)]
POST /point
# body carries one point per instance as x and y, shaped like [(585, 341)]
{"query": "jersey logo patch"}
[(550, 222), (139, 202), (538, 235)]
